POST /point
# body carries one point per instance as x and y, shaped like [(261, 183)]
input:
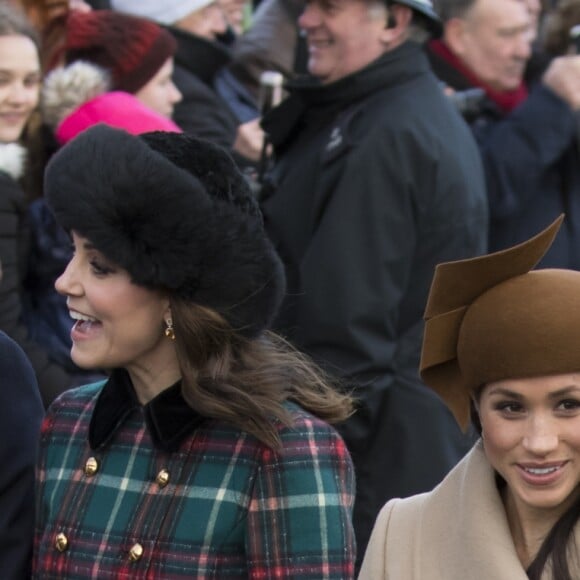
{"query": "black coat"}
[(377, 180), (21, 413), (202, 112), (14, 258)]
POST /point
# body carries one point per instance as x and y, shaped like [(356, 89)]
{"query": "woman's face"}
[(19, 85), (531, 436), (118, 324), (160, 94)]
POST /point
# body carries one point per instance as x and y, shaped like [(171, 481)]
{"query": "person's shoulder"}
[(17, 376), (77, 397), (10, 351), (307, 435), (14, 363), (401, 517), (304, 422)]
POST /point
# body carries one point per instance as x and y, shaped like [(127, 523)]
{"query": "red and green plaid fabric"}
[(231, 509)]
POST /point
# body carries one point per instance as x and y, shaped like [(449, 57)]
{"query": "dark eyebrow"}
[(565, 391), (501, 391)]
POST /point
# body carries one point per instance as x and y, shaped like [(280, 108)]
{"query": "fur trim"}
[(67, 88), (176, 213), (12, 159)]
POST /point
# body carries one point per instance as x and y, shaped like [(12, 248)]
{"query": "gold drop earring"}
[(169, 332)]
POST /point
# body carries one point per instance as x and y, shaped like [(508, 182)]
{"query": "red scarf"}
[(505, 100)]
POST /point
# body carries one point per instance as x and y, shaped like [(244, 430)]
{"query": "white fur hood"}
[(12, 159), (67, 88)]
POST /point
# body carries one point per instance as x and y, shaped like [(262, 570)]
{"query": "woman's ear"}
[(455, 35)]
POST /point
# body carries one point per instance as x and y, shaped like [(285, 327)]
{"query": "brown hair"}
[(14, 21), (244, 381)]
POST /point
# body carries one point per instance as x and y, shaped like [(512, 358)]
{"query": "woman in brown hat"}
[(502, 342)]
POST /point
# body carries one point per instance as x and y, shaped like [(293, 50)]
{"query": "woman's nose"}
[(67, 284), (541, 436)]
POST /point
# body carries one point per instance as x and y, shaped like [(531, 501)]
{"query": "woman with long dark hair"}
[(502, 341), (207, 452)]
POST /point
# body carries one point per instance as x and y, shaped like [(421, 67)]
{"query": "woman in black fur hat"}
[(206, 453)]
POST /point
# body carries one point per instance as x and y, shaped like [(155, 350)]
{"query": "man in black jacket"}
[(376, 180)]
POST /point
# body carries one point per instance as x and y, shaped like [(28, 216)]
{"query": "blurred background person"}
[(527, 135), (375, 178), (197, 26), (136, 55), (21, 414), (19, 96)]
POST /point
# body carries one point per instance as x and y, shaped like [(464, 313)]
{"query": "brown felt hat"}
[(490, 318)]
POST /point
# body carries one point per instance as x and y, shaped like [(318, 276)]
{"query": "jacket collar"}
[(309, 97), (477, 543), (200, 56), (12, 159), (168, 417)]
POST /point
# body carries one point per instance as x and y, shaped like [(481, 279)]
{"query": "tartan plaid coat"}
[(156, 491)]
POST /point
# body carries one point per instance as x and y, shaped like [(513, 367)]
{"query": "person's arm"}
[(21, 414), (519, 149), (299, 521)]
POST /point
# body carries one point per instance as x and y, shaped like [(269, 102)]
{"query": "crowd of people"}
[(326, 335)]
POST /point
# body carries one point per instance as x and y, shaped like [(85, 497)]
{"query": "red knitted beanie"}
[(132, 49)]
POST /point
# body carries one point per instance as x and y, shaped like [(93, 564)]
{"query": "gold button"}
[(91, 467), (162, 478), (135, 552), (61, 542)]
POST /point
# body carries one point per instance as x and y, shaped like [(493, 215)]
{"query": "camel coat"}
[(457, 531)]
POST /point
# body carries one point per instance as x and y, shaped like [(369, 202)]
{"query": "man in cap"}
[(376, 180), (527, 134)]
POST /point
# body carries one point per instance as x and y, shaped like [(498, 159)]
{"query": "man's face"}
[(496, 42), (343, 36), (208, 22)]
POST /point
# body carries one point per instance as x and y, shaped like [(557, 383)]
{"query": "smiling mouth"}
[(81, 317), (541, 470), (541, 474), (83, 323)]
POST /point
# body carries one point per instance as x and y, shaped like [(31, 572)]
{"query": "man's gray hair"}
[(448, 9)]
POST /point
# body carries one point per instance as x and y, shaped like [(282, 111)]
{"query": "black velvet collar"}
[(168, 417)]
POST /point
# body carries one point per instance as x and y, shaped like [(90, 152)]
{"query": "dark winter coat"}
[(378, 179), (20, 417), (202, 112), (14, 257), (532, 167)]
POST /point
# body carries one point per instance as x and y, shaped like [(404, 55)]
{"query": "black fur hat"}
[(176, 213)]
